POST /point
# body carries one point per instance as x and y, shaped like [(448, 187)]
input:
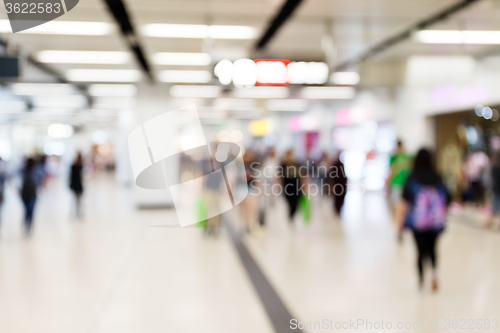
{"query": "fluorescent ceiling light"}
[(112, 90), (254, 113), (328, 92), (103, 112), (103, 75), (175, 30), (231, 32), (307, 72), (34, 89), (195, 91), (345, 78), (114, 102), (481, 37), (185, 76), (83, 57), (261, 92), (63, 28), (458, 37), (234, 103), (439, 36), (67, 101), (52, 111), (295, 105), (182, 59), (211, 115), (198, 31), (12, 106)]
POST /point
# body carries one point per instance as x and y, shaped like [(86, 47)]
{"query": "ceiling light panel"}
[(195, 91), (458, 37), (112, 90), (66, 101), (12, 106), (64, 28), (185, 76), (114, 102), (292, 105), (345, 78), (328, 92), (34, 89), (182, 59), (103, 75), (83, 57), (198, 31), (261, 92)]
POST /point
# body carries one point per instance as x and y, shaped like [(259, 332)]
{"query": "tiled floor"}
[(114, 272), (355, 269)]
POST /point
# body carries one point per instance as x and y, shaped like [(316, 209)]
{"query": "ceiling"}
[(354, 26)]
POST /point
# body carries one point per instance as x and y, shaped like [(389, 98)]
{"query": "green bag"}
[(305, 208), (202, 212)]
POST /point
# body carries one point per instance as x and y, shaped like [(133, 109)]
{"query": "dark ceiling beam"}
[(120, 13), (399, 37), (60, 78), (43, 67), (278, 21)]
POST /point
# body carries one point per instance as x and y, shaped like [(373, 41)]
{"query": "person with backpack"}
[(424, 210), (28, 193)]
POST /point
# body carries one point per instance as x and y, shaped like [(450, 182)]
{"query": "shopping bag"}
[(202, 212), (305, 208)]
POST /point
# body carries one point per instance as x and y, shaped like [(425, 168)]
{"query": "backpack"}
[(428, 210)]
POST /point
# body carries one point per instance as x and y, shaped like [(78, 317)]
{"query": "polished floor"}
[(119, 269)]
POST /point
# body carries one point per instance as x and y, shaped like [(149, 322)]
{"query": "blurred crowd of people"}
[(418, 194), (32, 177), (269, 177)]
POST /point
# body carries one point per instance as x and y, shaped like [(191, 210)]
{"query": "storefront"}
[(464, 142)]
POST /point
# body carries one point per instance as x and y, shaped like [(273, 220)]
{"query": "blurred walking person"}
[(269, 170), (76, 183), (29, 193), (423, 210), (212, 194), (249, 206), (3, 177), (39, 171), (495, 188), (291, 183), (339, 184), (475, 170), (400, 165)]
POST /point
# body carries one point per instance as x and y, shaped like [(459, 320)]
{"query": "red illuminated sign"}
[(272, 72)]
